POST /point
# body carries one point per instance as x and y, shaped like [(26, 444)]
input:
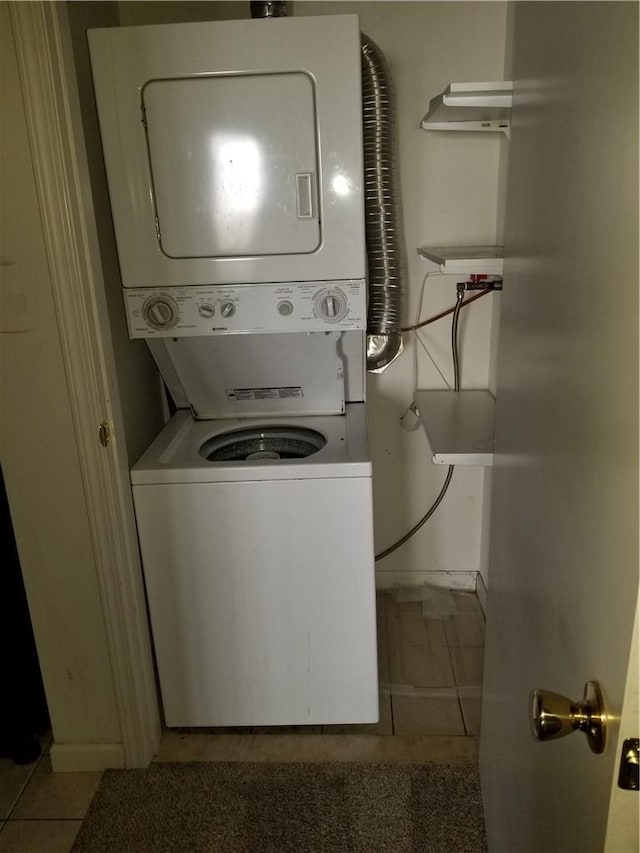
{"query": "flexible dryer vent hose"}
[(385, 244), (268, 8)]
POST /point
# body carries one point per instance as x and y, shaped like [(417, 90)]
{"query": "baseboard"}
[(450, 580), (84, 757)]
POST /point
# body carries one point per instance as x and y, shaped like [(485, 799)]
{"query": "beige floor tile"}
[(417, 630), (385, 599), (175, 746), (46, 742), (287, 730), (467, 663), (389, 607), (426, 715), (408, 632), (404, 623), (383, 727), (411, 624), (56, 795), (318, 748), (381, 627), (383, 664), (420, 666), (466, 629), (436, 631), (467, 602), (471, 712), (38, 836), (213, 730), (13, 778)]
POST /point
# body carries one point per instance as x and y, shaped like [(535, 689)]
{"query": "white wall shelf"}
[(471, 106), (459, 425), (465, 260)]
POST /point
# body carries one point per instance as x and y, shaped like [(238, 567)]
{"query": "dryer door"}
[(231, 182)]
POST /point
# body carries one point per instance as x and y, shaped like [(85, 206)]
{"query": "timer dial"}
[(331, 305), (161, 312)]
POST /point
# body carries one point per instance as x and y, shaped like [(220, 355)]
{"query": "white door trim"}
[(52, 109)]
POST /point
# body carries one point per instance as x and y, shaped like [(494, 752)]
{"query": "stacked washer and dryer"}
[(234, 161)]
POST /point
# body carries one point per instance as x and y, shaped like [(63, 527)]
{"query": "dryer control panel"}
[(319, 306)]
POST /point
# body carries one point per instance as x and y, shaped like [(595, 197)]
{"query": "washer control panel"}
[(217, 310), (160, 312)]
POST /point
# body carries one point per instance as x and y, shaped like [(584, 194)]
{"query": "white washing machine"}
[(257, 544), (234, 159), (256, 533)]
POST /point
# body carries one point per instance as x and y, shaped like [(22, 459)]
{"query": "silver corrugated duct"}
[(268, 9), (385, 245)]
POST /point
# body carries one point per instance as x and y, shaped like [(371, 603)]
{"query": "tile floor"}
[(41, 811), (433, 665), (430, 696)]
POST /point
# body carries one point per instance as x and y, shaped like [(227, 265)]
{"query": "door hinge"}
[(104, 433), (629, 775)]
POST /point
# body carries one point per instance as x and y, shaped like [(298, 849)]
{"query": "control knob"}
[(161, 312), (207, 310), (285, 308), (227, 309), (331, 305)]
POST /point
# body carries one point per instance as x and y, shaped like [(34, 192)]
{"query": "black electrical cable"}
[(456, 379)]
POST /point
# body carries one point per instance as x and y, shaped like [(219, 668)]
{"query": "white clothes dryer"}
[(257, 543), (233, 152)]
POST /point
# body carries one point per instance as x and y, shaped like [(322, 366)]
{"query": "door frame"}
[(47, 75)]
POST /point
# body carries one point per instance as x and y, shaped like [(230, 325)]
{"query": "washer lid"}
[(244, 376)]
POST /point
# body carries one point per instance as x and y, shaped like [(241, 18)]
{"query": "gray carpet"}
[(276, 808)]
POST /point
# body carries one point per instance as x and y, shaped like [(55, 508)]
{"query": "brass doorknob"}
[(555, 716)]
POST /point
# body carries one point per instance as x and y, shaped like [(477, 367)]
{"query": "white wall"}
[(449, 184), (450, 196)]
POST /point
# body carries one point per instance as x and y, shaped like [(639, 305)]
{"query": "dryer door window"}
[(234, 164)]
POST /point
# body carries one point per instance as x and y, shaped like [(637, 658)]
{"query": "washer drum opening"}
[(260, 443)]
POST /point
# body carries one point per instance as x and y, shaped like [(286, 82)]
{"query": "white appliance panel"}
[(262, 600), (292, 307), (248, 376), (170, 353), (230, 181), (318, 59)]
